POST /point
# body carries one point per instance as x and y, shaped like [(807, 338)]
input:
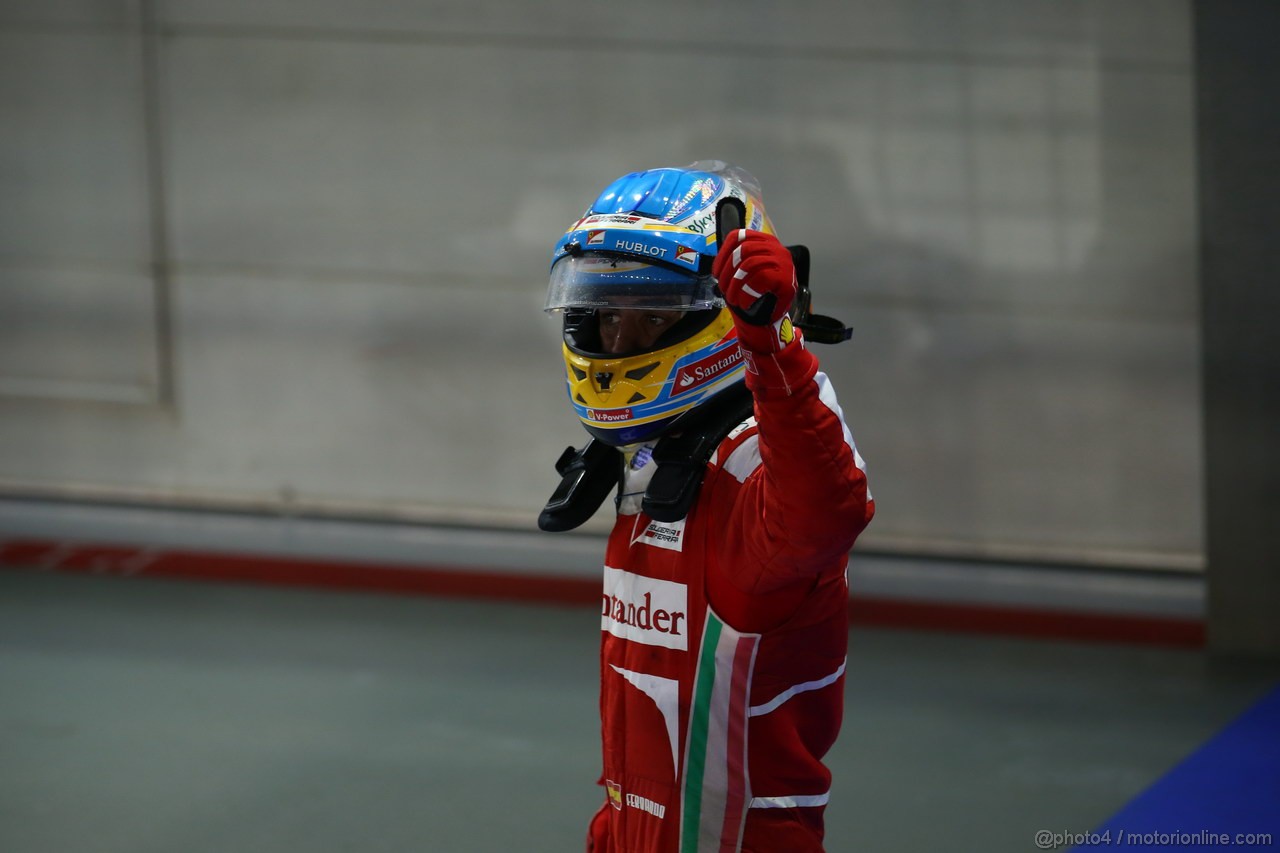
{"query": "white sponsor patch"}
[(645, 610), (663, 534), (741, 428)]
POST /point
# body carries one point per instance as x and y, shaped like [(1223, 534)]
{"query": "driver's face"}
[(631, 329)]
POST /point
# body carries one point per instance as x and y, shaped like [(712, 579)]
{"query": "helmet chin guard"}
[(633, 398)]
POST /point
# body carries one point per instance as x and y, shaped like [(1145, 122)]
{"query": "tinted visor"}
[(590, 281), (582, 332)]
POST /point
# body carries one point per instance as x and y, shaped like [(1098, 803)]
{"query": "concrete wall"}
[(290, 256)]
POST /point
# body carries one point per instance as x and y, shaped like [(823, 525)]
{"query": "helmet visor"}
[(609, 281)]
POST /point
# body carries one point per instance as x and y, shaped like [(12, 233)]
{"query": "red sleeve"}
[(803, 498)]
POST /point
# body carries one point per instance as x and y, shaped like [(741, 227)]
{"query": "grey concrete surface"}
[(140, 715)]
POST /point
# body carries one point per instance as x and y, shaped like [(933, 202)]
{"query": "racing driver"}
[(739, 493)]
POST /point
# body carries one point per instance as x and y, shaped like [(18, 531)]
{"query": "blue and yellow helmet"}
[(648, 242)]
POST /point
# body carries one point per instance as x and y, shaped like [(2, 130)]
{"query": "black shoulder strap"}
[(587, 477), (682, 457)]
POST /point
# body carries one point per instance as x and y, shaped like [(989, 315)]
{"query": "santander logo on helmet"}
[(710, 367)]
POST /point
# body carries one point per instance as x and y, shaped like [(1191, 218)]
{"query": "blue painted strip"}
[(1229, 787)]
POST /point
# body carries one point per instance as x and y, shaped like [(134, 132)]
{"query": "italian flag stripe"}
[(716, 794)]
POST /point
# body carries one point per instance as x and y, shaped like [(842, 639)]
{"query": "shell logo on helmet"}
[(606, 417)]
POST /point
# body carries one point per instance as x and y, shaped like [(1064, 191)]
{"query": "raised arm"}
[(804, 496)]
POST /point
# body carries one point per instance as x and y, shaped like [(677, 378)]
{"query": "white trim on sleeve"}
[(795, 802), (772, 704)]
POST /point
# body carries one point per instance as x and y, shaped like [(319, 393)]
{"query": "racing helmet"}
[(647, 243)]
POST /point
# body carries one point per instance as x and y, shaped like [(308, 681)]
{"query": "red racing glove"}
[(758, 281)]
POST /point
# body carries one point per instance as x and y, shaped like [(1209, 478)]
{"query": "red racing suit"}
[(724, 634)]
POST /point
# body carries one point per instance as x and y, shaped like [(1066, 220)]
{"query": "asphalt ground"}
[(141, 714)]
